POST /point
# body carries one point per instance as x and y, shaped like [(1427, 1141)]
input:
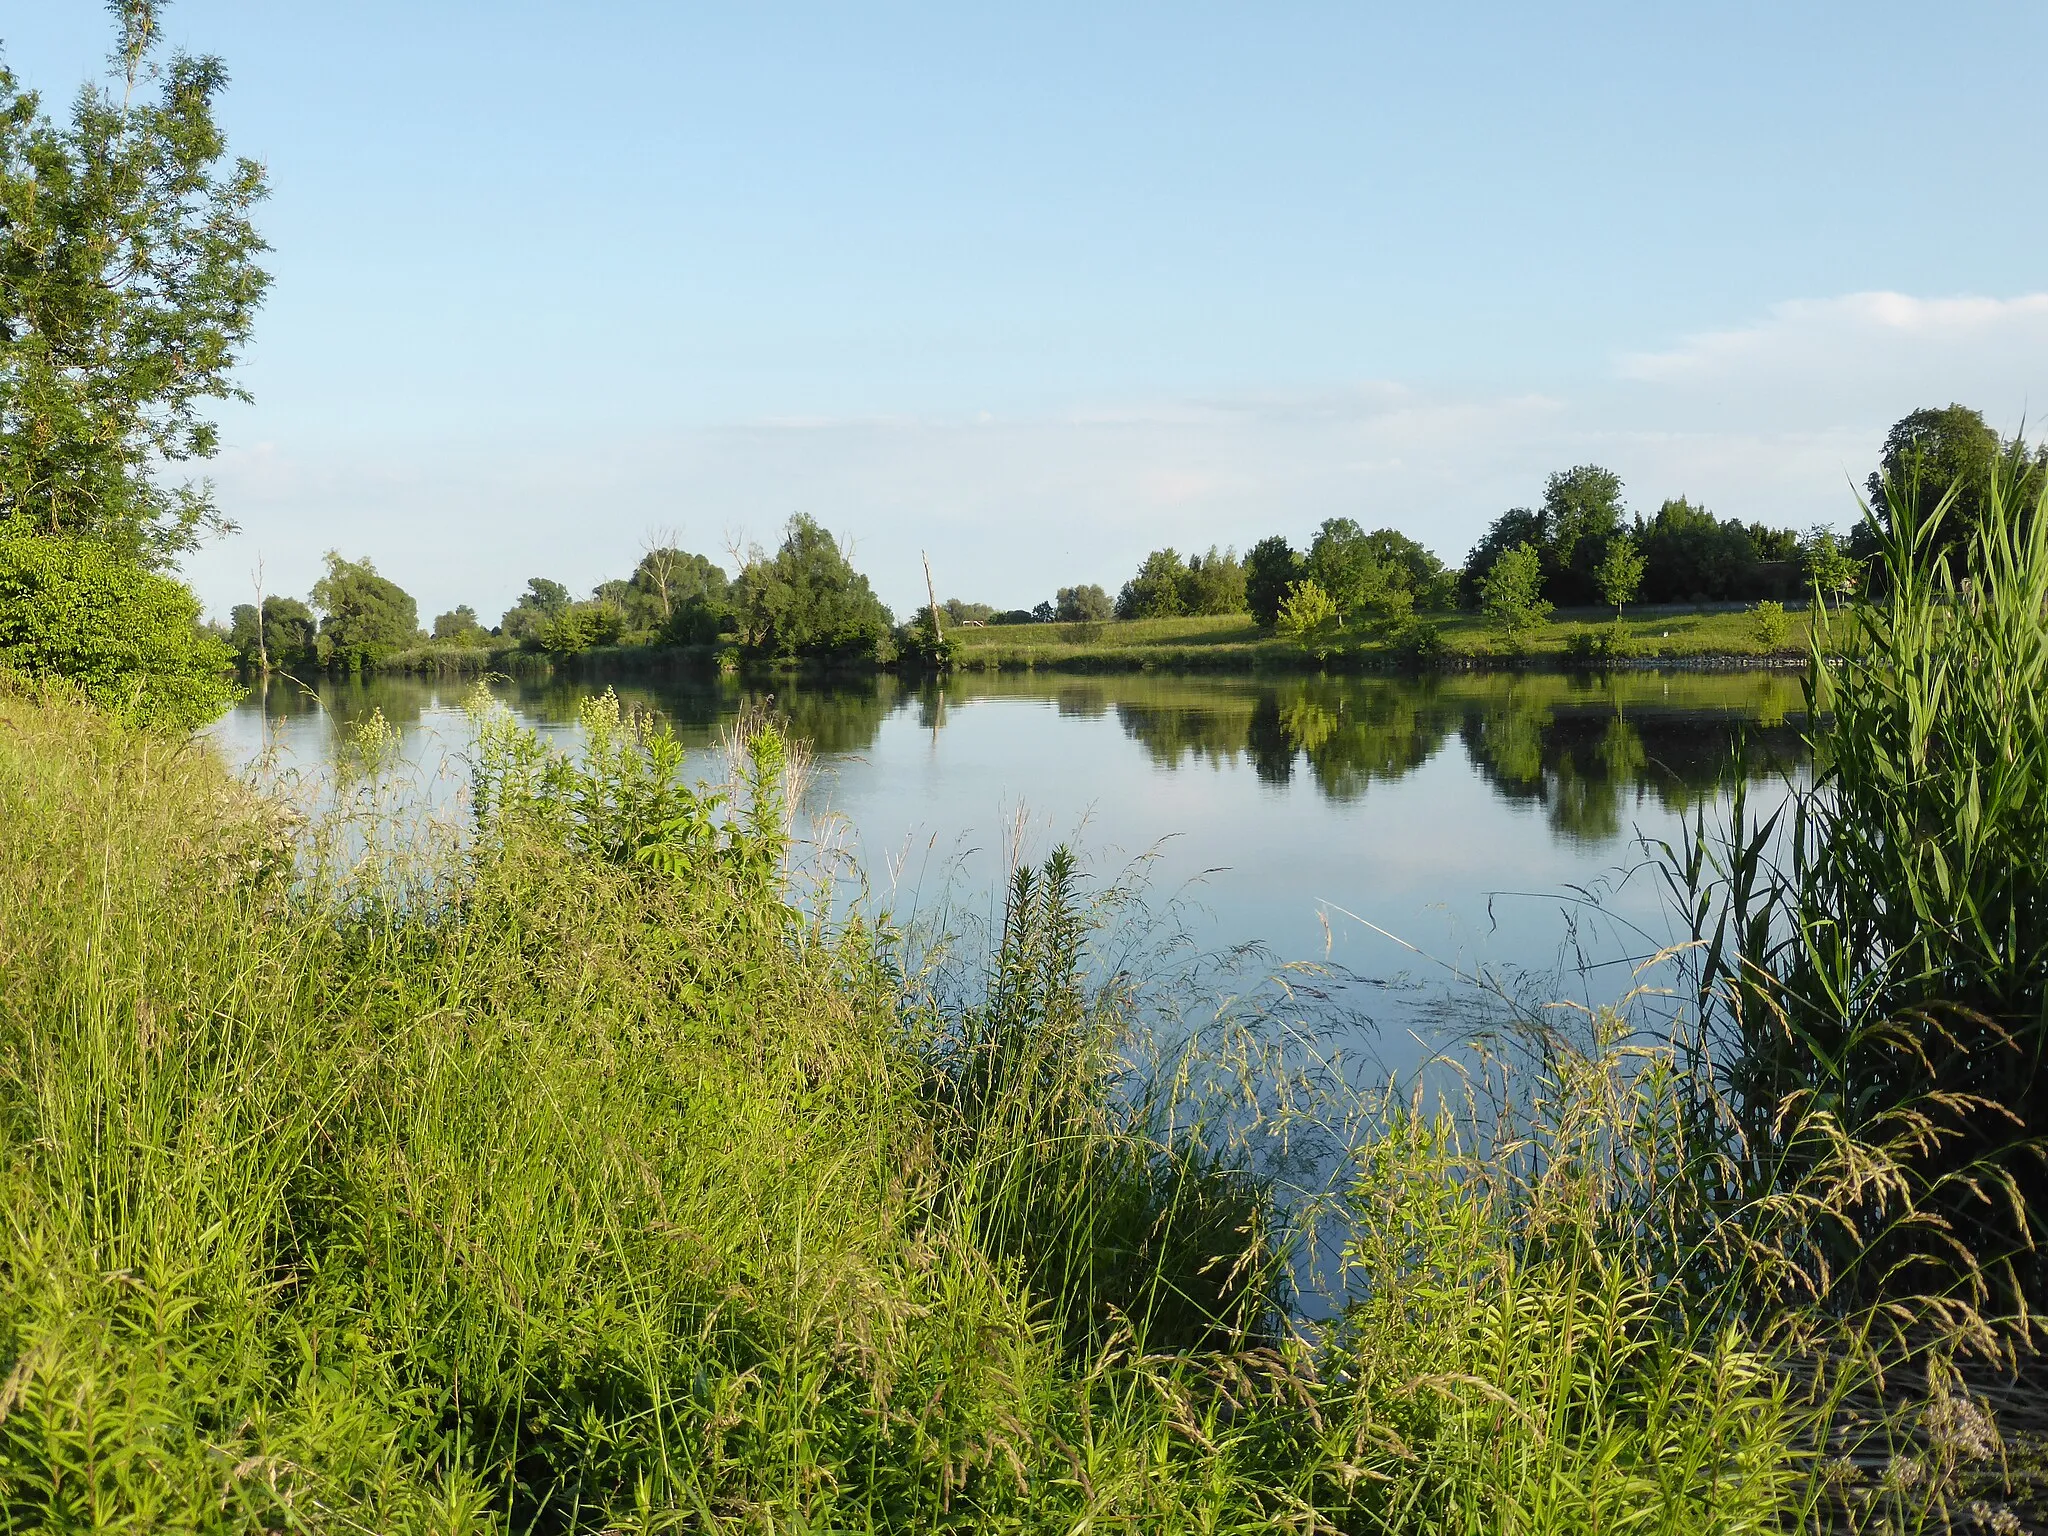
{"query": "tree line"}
[(1578, 546)]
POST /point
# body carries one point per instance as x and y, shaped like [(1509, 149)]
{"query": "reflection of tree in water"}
[(1584, 752), (1365, 733), (1587, 766), (1170, 732)]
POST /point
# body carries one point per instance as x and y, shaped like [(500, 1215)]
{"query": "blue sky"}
[(1039, 288)]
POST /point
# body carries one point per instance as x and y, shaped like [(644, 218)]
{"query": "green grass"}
[(584, 1178), (1234, 643)]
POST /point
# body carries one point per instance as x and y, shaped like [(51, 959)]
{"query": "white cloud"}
[(1844, 352)]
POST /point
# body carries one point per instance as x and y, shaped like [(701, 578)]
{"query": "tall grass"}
[(1878, 951), (599, 1182)]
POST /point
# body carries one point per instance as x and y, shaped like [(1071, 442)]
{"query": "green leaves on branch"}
[(128, 283)]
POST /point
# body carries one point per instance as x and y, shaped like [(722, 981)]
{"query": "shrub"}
[(1306, 610), (1769, 623), (128, 637)]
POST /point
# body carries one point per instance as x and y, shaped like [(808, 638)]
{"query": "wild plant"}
[(1876, 952)]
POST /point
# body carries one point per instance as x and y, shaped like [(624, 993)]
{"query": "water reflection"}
[(1587, 752)]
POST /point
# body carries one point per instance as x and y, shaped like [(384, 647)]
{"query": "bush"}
[(1768, 621), (127, 637)]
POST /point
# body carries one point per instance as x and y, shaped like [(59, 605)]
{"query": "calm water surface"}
[(1495, 823)]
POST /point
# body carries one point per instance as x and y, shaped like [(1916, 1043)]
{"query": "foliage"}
[(922, 644), (1511, 595), (807, 601), (1270, 569), (289, 636), (1595, 647), (128, 282), (958, 612), (364, 616), (1881, 945), (1771, 624), (1692, 556), (581, 626), (1951, 454), (1214, 583), (126, 637), (1620, 572), (674, 593), (1159, 589), (1366, 587), (460, 626), (1083, 604), (1306, 610), (1832, 573), (542, 601)]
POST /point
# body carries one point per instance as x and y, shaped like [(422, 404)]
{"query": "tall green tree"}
[(1512, 594), (289, 635), (807, 601), (1620, 572), (128, 283), (1159, 589), (1214, 583), (1930, 453), (364, 617), (1270, 568), (459, 626), (542, 602), (1582, 510), (1082, 605), (1345, 562)]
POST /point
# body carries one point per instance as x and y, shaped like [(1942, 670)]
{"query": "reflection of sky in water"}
[(1466, 815)]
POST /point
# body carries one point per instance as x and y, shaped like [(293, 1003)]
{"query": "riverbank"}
[(599, 1183), (1233, 643), (1725, 637)]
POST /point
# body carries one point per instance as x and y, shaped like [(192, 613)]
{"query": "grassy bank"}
[(1228, 644), (584, 1178), (1236, 644)]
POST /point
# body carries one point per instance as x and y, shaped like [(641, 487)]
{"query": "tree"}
[(672, 591), (1433, 586), (959, 612), (1582, 510), (1517, 525), (459, 626), (1345, 562), (1082, 605), (364, 617), (808, 601), (1156, 592), (1693, 556), (1620, 572), (1214, 583), (1512, 594), (1831, 571), (128, 284), (1931, 453), (542, 601), (129, 638), (289, 635), (1270, 569)]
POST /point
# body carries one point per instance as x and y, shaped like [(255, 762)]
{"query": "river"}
[(1417, 844)]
